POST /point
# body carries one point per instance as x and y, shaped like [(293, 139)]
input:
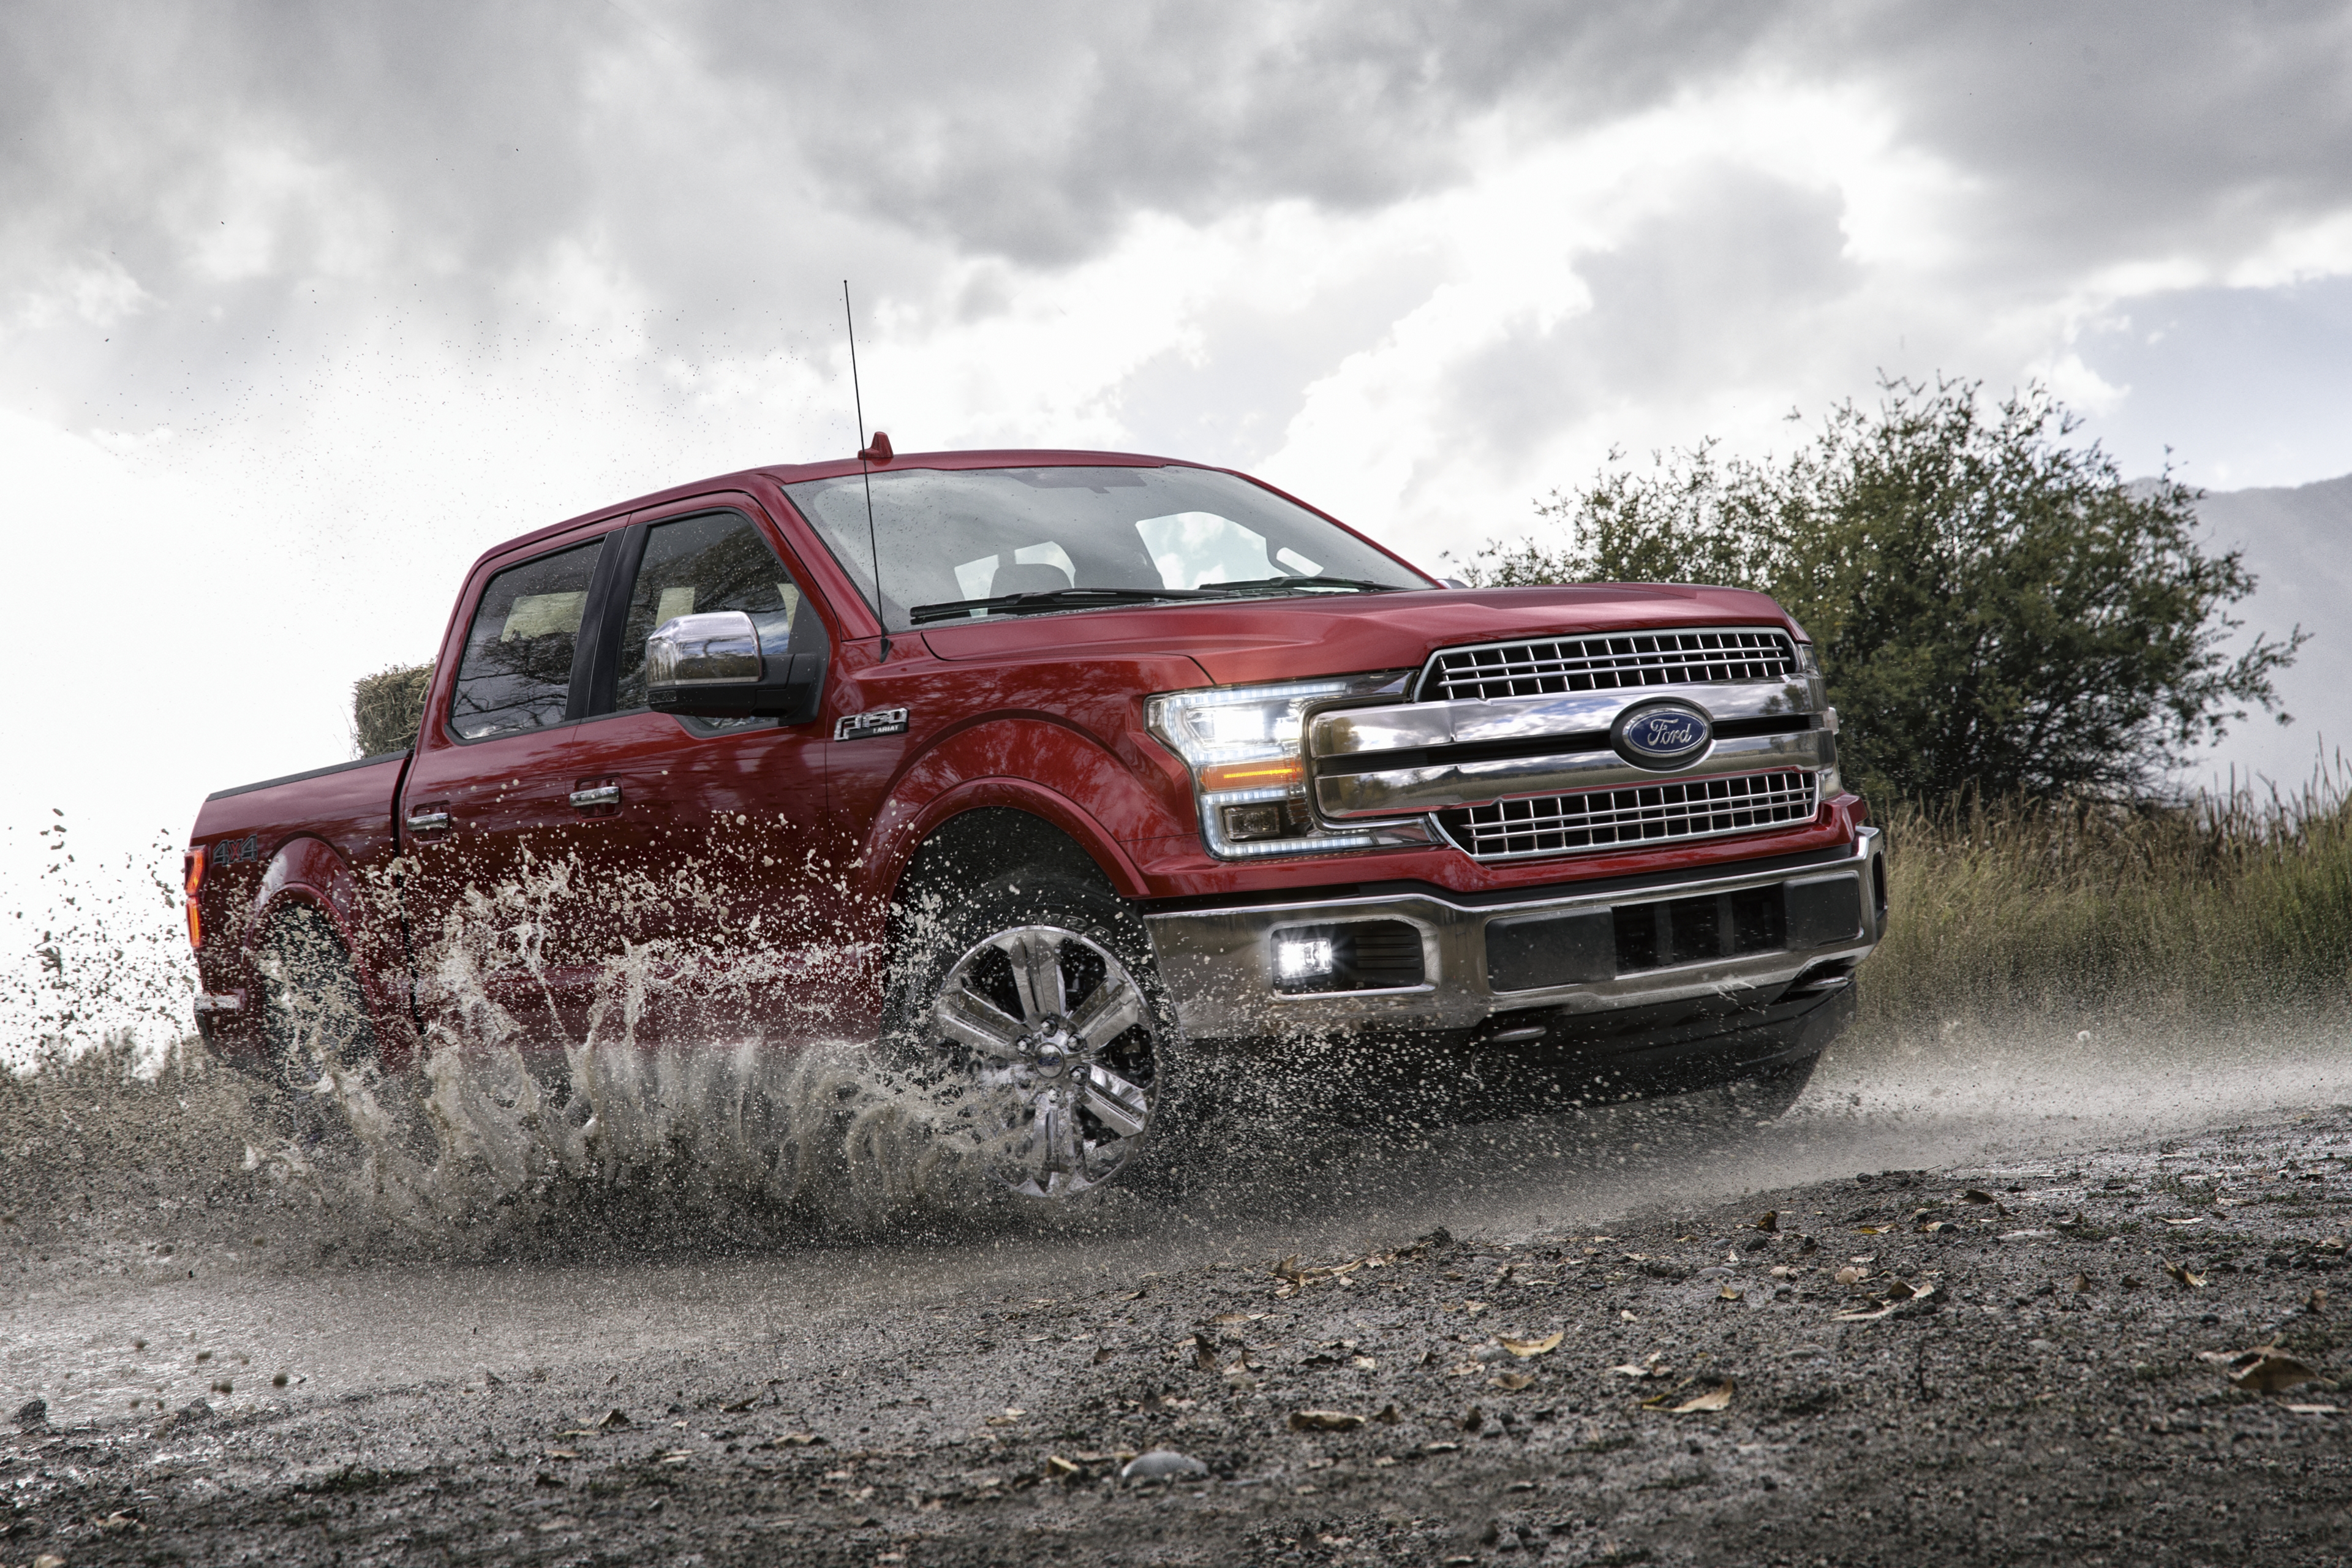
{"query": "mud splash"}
[(668, 1087)]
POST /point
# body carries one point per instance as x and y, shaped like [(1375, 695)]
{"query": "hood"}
[(1249, 641)]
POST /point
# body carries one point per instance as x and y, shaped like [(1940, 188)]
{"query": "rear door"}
[(714, 853), (491, 886)]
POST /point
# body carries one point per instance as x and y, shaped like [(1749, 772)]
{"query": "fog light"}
[(1304, 958), (1253, 821)]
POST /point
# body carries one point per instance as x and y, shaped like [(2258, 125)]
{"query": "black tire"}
[(1030, 1006), (1769, 1096), (314, 1013)]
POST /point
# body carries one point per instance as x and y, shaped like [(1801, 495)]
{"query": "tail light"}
[(196, 881)]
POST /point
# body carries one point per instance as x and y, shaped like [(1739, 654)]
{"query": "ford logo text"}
[(1662, 735)]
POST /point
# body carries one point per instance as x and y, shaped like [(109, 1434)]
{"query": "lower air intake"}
[(1644, 814)]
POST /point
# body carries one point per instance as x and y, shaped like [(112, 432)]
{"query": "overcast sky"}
[(301, 307)]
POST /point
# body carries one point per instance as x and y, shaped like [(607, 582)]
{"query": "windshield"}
[(964, 544)]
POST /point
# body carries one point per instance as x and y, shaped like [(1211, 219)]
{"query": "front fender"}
[(1048, 770)]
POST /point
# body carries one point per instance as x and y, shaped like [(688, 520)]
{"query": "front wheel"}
[(1032, 1010)]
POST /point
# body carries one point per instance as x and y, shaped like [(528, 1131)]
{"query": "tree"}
[(1999, 611)]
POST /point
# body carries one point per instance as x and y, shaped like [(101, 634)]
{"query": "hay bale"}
[(387, 707)]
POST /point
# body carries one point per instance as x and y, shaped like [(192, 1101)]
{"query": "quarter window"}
[(516, 673)]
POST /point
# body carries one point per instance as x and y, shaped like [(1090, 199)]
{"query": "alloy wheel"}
[(1049, 1036)]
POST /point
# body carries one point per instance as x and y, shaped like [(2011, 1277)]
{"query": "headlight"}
[(1245, 747)]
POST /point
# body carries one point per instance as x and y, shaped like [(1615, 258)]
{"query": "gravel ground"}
[(2018, 1363)]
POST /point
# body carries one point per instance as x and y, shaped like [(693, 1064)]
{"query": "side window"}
[(715, 562), (516, 672)]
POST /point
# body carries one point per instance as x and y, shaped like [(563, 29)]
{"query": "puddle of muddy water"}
[(433, 1314)]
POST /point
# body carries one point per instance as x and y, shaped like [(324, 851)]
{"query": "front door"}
[(485, 819), (723, 875)]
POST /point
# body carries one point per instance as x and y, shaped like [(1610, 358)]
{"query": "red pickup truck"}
[(1077, 781)]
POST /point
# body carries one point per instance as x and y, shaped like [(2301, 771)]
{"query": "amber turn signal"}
[(1283, 772)]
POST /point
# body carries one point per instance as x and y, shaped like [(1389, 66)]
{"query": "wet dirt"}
[(1971, 1307)]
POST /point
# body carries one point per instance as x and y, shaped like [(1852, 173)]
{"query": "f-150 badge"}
[(865, 726)]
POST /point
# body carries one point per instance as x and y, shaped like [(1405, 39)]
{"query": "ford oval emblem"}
[(1661, 736)]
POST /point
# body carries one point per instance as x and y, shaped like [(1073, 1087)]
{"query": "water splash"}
[(673, 1083)]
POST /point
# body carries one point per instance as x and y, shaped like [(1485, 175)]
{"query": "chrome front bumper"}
[(1218, 965)]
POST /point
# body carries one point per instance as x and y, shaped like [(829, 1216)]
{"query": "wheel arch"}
[(309, 874)]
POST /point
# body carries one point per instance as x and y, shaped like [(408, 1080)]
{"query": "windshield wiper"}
[(1047, 599), (1280, 584)]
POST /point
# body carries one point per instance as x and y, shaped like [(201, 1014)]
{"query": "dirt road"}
[(1591, 1339)]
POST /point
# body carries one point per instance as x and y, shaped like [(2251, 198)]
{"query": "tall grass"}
[(2235, 909)]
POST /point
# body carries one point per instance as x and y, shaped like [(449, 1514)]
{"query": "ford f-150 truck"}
[(1063, 776)]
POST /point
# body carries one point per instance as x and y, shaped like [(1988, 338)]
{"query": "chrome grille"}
[(1644, 814), (1609, 663)]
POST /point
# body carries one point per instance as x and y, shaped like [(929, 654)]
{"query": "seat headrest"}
[(1027, 578)]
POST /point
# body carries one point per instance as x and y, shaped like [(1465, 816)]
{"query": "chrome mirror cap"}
[(720, 647)]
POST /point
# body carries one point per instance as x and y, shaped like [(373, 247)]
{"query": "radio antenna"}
[(865, 469)]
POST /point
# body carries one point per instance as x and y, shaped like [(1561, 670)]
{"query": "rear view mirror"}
[(719, 664)]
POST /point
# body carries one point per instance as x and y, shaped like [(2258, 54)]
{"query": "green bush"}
[(1999, 612)]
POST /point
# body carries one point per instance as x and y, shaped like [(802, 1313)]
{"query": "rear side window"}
[(516, 673), (715, 562)]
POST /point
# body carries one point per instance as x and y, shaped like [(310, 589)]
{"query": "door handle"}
[(603, 795), (427, 821)]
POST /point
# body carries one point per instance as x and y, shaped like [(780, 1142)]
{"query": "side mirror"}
[(720, 664)]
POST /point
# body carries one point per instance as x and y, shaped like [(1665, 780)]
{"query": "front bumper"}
[(1219, 965)]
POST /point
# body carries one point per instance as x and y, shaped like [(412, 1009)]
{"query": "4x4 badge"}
[(865, 726)]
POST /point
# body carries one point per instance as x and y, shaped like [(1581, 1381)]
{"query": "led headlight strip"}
[(1245, 746)]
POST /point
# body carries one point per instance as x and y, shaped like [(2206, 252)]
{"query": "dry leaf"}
[(2170, 1220), (1011, 1414), (1852, 1275), (612, 1419), (2180, 1273), (1871, 1229), (2080, 1285), (1977, 1195), (1324, 1421), (2313, 1409), (1715, 1398), (2264, 1369), (1474, 1308), (1387, 1416), (1512, 1381), (1730, 1293), (1204, 1356), (1060, 1467), (1525, 1348), (1769, 1220), (1806, 1246), (1103, 1354), (1871, 1314), (2315, 1302)]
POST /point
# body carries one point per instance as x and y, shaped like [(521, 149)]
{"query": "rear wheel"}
[(314, 1015), (1030, 1008)]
